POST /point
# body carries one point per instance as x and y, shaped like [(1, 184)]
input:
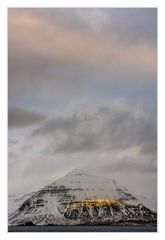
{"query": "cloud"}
[(140, 24), (30, 34), (131, 164), (105, 127), (18, 117), (51, 57)]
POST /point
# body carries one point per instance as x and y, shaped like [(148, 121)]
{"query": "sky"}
[(82, 93)]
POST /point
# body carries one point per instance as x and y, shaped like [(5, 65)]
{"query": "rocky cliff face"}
[(81, 198)]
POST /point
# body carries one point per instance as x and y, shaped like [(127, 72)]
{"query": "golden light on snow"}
[(98, 202)]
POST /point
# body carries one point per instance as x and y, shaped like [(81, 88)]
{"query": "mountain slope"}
[(81, 198)]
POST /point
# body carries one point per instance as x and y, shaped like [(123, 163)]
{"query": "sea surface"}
[(82, 228)]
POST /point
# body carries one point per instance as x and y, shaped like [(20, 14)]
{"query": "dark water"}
[(84, 228)]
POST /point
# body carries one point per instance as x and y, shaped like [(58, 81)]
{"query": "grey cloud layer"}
[(77, 59), (18, 117), (105, 127), (116, 22)]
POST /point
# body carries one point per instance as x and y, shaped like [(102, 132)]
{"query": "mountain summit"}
[(82, 198)]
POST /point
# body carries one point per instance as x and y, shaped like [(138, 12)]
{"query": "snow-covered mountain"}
[(14, 202), (82, 198)]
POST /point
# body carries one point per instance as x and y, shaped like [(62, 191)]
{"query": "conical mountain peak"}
[(82, 198)]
